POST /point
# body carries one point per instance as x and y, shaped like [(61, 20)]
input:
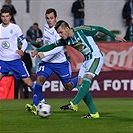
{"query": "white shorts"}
[(92, 67)]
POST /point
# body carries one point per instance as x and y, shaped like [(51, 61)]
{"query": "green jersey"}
[(81, 41)]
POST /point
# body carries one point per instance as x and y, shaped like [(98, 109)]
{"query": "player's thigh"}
[(4, 68), (19, 69), (91, 67), (64, 72), (95, 66), (44, 71)]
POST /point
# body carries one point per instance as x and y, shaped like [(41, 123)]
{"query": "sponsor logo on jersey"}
[(5, 45)]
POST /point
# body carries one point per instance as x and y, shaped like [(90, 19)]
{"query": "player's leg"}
[(0, 75), (63, 70), (37, 95), (4, 68), (92, 66), (43, 72), (37, 92), (88, 97), (28, 82), (19, 70), (65, 75), (69, 85), (80, 80), (89, 102), (94, 70), (82, 91)]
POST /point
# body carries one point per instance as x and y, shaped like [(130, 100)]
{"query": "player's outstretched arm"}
[(105, 31), (42, 49), (117, 38)]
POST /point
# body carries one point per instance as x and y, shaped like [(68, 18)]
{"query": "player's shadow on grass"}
[(106, 115), (115, 117), (118, 118)]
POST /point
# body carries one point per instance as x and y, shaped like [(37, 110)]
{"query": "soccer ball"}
[(44, 110)]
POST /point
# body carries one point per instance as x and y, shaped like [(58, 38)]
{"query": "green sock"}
[(78, 87), (89, 102), (83, 90)]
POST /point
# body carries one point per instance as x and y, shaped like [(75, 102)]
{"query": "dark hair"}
[(6, 9), (50, 10), (61, 23), (35, 24)]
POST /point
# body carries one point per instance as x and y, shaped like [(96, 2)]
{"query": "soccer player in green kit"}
[(80, 39)]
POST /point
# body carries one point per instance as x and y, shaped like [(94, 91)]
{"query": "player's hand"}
[(40, 55), (34, 53), (120, 39), (20, 52), (38, 39)]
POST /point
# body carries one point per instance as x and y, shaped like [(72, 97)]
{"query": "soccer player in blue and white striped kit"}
[(51, 61)]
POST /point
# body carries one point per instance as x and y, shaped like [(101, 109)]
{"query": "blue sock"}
[(35, 99), (74, 81), (37, 94)]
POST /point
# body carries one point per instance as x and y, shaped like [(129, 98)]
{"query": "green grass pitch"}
[(116, 117)]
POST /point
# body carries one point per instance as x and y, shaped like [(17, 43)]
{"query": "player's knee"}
[(40, 80), (68, 86)]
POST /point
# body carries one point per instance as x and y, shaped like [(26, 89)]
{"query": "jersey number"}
[(41, 68)]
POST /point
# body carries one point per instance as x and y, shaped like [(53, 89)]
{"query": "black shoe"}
[(96, 115), (87, 116), (69, 106), (65, 107)]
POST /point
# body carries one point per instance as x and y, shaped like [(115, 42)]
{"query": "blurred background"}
[(116, 78), (106, 13)]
